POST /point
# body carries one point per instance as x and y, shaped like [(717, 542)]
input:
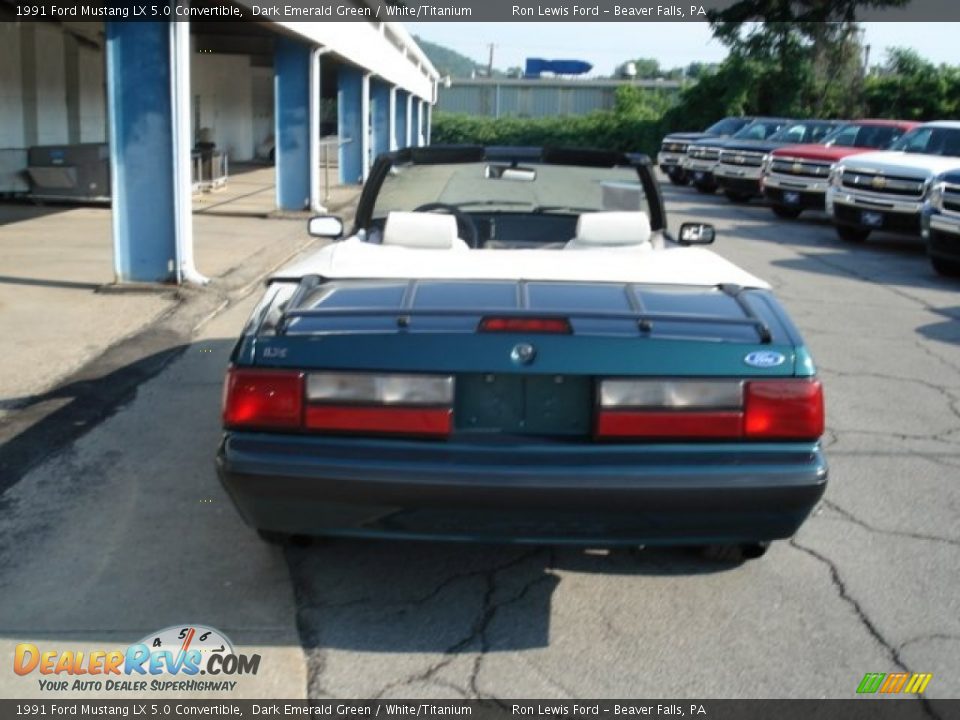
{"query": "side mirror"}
[(325, 226), (697, 234)]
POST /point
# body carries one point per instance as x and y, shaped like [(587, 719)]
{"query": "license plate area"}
[(524, 404), (791, 198), (871, 219)]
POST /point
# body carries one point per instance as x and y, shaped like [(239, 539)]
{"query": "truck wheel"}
[(851, 234), (734, 553), (705, 188), (787, 213), (679, 177), (737, 197), (947, 268)]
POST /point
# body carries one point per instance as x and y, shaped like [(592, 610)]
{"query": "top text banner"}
[(434, 10)]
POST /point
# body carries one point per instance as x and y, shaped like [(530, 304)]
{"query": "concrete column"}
[(416, 139), (427, 120), (392, 113), (380, 116), (365, 125), (139, 87), (350, 124), (291, 68), (409, 120), (400, 122)]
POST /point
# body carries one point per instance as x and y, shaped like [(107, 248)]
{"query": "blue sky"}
[(605, 45)]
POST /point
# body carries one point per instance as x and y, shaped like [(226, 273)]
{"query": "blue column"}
[(380, 117), (350, 123), (400, 124), (291, 78), (415, 124), (139, 81)]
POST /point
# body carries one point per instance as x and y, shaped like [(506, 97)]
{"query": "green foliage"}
[(450, 62), (910, 87)]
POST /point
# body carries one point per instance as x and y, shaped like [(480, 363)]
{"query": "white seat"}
[(424, 230), (622, 229)]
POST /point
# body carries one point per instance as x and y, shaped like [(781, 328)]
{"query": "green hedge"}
[(601, 129)]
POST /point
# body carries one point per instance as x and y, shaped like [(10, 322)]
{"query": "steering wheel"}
[(466, 228)]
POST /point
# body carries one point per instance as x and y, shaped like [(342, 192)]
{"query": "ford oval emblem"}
[(523, 354), (765, 359)]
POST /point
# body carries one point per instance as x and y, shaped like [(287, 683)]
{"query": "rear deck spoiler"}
[(403, 313)]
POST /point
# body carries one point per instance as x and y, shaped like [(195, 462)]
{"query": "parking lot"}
[(126, 530)]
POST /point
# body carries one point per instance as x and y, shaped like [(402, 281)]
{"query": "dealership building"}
[(139, 112)]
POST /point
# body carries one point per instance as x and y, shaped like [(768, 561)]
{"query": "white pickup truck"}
[(886, 190)]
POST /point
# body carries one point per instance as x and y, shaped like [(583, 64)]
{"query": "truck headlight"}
[(836, 176), (935, 196)]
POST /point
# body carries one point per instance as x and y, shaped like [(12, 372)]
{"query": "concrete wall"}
[(222, 90), (51, 85)]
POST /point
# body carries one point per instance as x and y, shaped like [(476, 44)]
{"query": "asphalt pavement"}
[(126, 530)]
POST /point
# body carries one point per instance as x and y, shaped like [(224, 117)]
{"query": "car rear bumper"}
[(552, 493)]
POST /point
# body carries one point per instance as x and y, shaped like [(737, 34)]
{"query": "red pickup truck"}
[(795, 178)]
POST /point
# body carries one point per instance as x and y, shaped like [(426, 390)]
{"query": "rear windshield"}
[(931, 141)]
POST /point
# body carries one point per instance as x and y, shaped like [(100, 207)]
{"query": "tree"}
[(909, 86), (809, 49), (647, 68)]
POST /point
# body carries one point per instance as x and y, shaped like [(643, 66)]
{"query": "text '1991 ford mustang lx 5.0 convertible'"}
[(510, 346)]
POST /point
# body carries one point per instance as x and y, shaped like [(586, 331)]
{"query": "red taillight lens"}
[(263, 399), (393, 420), (783, 409), (560, 326)]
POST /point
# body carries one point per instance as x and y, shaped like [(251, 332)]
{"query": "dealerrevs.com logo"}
[(168, 661)]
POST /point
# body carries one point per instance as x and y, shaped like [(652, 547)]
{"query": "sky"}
[(606, 45)]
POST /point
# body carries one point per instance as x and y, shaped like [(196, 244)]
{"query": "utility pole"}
[(491, 46)]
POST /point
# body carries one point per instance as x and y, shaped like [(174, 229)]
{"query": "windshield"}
[(759, 130), (863, 136), (490, 187), (801, 133), (727, 126), (930, 141)]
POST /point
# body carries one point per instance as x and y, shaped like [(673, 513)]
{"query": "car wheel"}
[(679, 177), (735, 197), (851, 234), (787, 213), (705, 188), (947, 268), (734, 553)]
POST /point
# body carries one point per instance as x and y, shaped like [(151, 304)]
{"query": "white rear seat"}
[(424, 230), (625, 229)]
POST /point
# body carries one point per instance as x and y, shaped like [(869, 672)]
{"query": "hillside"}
[(450, 62)]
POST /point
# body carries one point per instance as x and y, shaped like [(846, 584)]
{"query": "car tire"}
[(946, 268), (679, 177), (705, 188), (736, 197), (786, 213), (734, 553), (851, 234)]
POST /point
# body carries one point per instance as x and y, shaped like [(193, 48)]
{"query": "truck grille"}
[(739, 158), (799, 168), (951, 198), (674, 147), (703, 153), (883, 184)]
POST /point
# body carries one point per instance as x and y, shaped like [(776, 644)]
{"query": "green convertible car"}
[(508, 345)]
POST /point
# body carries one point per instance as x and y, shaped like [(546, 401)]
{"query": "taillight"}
[(784, 409), (560, 326), (790, 409), (403, 404), (395, 404), (263, 399)]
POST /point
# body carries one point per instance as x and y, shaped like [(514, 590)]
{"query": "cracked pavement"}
[(871, 583)]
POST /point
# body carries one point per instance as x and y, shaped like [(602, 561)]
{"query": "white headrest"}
[(420, 230), (605, 229)]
